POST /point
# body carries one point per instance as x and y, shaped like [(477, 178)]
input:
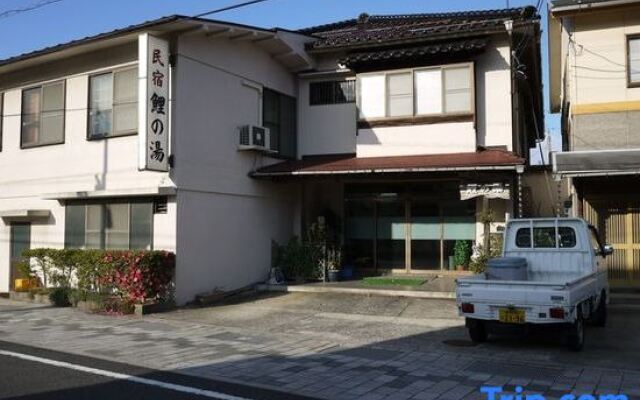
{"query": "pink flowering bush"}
[(139, 276)]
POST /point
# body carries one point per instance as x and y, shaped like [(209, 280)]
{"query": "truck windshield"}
[(545, 237)]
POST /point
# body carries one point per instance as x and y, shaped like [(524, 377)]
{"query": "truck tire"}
[(575, 337), (477, 331), (600, 315)]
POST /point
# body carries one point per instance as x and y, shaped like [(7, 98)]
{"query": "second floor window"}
[(279, 115), (432, 91), (43, 115), (113, 104), (332, 92), (633, 60)]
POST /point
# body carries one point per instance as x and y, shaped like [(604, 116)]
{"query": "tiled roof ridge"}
[(525, 11)]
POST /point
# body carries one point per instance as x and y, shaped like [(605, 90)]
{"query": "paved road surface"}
[(33, 374)]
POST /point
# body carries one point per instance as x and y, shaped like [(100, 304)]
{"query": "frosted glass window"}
[(457, 89), (634, 60), (100, 105), (428, 91), (399, 95), (372, 96), (117, 226), (125, 101), (113, 104), (93, 226), (43, 115)]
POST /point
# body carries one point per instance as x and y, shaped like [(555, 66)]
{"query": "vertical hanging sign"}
[(153, 97)]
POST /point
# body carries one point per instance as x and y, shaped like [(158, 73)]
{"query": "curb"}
[(365, 292)]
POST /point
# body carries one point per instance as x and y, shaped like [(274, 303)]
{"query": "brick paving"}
[(305, 363)]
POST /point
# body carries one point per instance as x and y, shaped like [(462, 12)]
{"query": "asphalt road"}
[(32, 373)]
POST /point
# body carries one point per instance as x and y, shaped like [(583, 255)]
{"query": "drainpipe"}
[(519, 172)]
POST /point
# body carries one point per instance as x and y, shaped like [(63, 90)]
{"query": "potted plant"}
[(461, 254), (333, 260)]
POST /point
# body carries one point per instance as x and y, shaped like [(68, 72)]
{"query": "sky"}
[(68, 20)]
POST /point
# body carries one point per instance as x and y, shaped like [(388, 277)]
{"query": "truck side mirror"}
[(607, 250)]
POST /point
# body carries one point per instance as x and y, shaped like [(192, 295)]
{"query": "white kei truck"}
[(552, 272)]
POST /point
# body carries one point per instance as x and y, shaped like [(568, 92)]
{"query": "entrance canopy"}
[(349, 164), (596, 163), (25, 215)]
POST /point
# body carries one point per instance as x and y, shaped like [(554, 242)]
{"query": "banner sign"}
[(488, 190), (153, 97)]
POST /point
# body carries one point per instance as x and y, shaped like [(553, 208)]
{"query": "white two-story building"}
[(393, 128)]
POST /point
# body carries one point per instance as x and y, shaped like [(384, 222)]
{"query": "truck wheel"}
[(575, 338), (477, 331), (600, 316)]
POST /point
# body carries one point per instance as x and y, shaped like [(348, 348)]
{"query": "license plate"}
[(511, 315)]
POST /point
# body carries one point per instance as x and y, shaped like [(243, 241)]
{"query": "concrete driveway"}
[(418, 324), (341, 347)]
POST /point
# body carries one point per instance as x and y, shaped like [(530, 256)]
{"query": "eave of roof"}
[(123, 32), (419, 52), (349, 164), (570, 6)]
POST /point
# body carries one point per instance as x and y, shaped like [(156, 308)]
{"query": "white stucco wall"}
[(29, 176), (493, 95), (457, 137), (226, 220), (596, 63), (325, 129)]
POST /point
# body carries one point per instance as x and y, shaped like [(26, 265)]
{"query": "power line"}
[(35, 6), (233, 7)]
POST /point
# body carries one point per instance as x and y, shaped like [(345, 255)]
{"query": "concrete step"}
[(317, 288)]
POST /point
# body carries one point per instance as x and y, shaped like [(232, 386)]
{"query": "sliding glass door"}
[(404, 230)]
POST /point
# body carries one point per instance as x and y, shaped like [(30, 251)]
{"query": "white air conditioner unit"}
[(254, 138)]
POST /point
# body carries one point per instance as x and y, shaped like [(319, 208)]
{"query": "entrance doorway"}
[(20, 240), (406, 229), (618, 221)]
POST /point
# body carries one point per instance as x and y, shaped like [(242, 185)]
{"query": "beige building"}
[(595, 83)]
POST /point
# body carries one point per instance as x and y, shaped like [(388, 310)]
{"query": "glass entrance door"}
[(391, 233), (20, 241), (426, 234), (407, 229)]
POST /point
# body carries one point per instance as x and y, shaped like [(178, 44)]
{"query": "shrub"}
[(461, 252), (140, 276), (482, 257), (132, 276), (60, 296), (42, 263), (299, 260)]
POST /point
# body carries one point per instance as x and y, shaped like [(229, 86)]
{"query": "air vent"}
[(160, 206)]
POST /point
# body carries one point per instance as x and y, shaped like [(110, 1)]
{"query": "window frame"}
[(64, 112), (112, 72), (335, 83), (532, 239), (415, 115), (628, 39), (279, 94), (103, 231)]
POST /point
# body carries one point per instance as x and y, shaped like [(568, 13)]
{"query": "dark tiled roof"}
[(420, 52), (350, 164), (388, 29)]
